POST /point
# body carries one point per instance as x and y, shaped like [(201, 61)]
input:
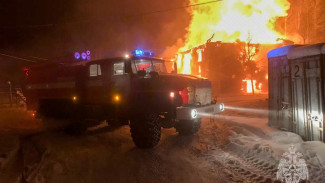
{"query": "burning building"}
[(223, 64), (243, 31)]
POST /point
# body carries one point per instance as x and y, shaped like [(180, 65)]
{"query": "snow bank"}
[(263, 147)]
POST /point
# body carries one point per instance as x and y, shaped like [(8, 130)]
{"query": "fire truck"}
[(136, 91)]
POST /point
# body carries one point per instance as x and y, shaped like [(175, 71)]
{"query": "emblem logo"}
[(292, 168)]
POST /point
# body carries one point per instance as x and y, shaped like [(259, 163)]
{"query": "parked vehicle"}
[(121, 90)]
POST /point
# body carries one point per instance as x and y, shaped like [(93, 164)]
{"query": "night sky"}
[(48, 29)]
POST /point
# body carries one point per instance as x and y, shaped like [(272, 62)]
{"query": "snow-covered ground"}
[(236, 146), (256, 149)]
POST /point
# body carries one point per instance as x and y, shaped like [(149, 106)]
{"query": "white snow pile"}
[(262, 148)]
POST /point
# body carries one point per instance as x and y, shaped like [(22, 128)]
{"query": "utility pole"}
[(9, 83)]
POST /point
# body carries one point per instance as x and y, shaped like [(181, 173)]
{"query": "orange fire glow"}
[(231, 20), (199, 52), (187, 63), (249, 89), (179, 62)]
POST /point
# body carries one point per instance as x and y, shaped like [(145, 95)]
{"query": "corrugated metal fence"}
[(296, 95)]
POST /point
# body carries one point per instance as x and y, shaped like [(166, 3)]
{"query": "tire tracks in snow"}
[(224, 149), (236, 168)]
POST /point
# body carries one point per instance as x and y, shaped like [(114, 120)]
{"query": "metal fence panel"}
[(273, 92), (297, 92), (280, 109), (285, 114), (298, 99), (279, 93), (314, 100)]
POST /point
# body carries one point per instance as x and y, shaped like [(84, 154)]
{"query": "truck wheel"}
[(146, 130), (188, 127)]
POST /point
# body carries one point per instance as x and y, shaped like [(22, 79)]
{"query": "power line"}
[(135, 15), (177, 8), (17, 58), (13, 53)]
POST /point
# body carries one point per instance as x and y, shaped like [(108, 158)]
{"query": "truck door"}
[(121, 81), (94, 84), (81, 78)]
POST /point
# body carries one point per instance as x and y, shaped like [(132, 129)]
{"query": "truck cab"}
[(138, 91)]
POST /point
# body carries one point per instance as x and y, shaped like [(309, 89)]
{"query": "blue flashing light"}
[(278, 52), (142, 53), (77, 55), (149, 54), (84, 56), (138, 52)]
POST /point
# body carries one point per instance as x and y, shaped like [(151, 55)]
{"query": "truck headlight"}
[(221, 107), (194, 113), (172, 95)]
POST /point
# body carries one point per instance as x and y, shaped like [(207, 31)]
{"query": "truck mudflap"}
[(196, 112)]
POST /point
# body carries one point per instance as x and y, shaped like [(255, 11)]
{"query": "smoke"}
[(171, 50), (108, 28)]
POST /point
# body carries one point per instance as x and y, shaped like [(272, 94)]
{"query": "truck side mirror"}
[(142, 73)]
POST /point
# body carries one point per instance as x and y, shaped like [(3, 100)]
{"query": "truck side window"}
[(95, 70), (119, 68)]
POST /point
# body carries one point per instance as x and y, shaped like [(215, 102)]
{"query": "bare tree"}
[(247, 58), (307, 18), (320, 20)]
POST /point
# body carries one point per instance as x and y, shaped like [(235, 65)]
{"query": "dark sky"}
[(54, 28)]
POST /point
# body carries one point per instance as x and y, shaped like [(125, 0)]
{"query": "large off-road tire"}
[(188, 127), (145, 130)]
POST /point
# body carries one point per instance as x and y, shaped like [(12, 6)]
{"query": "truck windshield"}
[(149, 66)]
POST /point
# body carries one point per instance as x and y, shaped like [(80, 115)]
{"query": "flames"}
[(187, 63), (253, 22), (248, 87), (231, 20)]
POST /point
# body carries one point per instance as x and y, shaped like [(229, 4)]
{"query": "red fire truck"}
[(136, 91)]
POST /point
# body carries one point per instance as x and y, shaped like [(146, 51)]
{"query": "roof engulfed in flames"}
[(230, 20)]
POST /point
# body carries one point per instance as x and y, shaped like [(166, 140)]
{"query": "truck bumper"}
[(191, 113)]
